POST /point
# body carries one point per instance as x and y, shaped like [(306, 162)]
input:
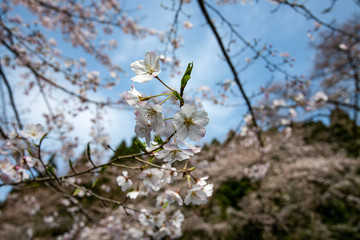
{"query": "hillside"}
[(298, 191)]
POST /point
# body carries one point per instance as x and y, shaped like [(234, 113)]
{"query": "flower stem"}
[(150, 97), (166, 99), (164, 84)]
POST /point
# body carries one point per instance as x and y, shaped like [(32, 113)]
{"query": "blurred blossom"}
[(32, 131), (257, 171)]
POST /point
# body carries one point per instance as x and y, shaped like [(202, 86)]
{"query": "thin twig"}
[(232, 68), (12, 101)]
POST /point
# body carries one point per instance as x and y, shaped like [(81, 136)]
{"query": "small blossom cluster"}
[(17, 164), (257, 172), (187, 123)]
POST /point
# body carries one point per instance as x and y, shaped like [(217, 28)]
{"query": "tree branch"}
[(12, 102), (232, 68)]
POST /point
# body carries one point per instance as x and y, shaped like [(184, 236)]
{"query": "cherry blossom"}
[(163, 232), (279, 102), (151, 178), (257, 171), (172, 153), (147, 69), (169, 175), (135, 194), (150, 114), (208, 189), (124, 181), (143, 130), (190, 123), (172, 196), (320, 97), (177, 219), (188, 25), (196, 195), (32, 131), (133, 97)]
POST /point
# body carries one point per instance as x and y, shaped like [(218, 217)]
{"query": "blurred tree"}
[(337, 67)]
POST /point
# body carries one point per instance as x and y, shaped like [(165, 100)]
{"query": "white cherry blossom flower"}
[(93, 77), (196, 195), (257, 171), (193, 148), (208, 189), (169, 175), (150, 114), (284, 121), (159, 219), (143, 130), (27, 161), (163, 232), (33, 131), (190, 123), (133, 97), (202, 181), (279, 102), (145, 218), (146, 69), (172, 196), (343, 46), (151, 178), (177, 219), (124, 181), (320, 97), (248, 119), (172, 153), (299, 97), (8, 168), (161, 202), (188, 25), (135, 194), (292, 112)]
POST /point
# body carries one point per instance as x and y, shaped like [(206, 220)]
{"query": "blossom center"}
[(150, 113), (188, 122), (174, 154), (149, 69)]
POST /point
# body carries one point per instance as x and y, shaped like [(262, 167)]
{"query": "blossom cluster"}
[(187, 123), (17, 163)]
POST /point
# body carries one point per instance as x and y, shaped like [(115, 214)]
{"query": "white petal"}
[(182, 133), (162, 154), (142, 78), (200, 118), (196, 132), (178, 120), (138, 67), (188, 109)]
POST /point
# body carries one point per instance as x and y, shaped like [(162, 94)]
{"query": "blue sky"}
[(285, 29)]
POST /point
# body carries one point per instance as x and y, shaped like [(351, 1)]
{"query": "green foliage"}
[(335, 211), (230, 193), (341, 218), (215, 142), (250, 231), (123, 149), (341, 133)]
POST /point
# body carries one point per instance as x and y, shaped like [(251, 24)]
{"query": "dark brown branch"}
[(45, 79), (232, 68), (258, 53), (307, 13), (342, 104), (89, 170), (12, 101), (3, 134), (356, 78)]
